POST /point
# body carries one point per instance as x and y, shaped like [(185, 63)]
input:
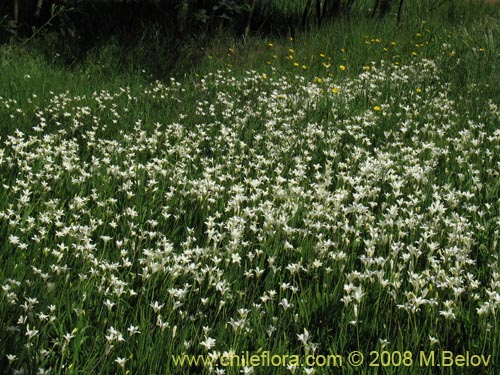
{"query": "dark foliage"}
[(73, 27)]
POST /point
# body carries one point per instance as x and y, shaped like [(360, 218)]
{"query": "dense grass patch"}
[(318, 194)]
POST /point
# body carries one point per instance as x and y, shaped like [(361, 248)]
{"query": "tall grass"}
[(331, 192)]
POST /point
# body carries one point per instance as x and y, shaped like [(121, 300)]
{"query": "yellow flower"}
[(319, 80), (418, 90), (264, 75), (342, 67), (321, 55), (291, 50), (377, 108), (342, 50), (366, 67), (270, 45), (295, 64), (336, 90), (304, 67)]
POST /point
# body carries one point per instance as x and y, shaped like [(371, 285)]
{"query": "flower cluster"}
[(272, 207)]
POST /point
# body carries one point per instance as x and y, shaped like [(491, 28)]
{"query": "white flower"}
[(121, 361), (31, 332), (247, 370), (304, 337), (109, 304), (68, 336), (285, 304), (448, 314), (236, 324), (433, 340), (208, 343), (384, 342), (133, 330), (156, 306), (14, 240), (270, 330), (114, 335)]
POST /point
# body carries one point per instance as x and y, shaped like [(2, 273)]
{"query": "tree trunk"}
[(375, 8), (16, 12), (249, 20), (335, 8), (318, 11), (400, 10), (39, 4), (305, 15), (385, 7), (348, 6), (331, 9)]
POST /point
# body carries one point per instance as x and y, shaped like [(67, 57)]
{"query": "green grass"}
[(329, 193)]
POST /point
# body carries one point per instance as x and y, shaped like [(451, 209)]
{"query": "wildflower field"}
[(306, 203)]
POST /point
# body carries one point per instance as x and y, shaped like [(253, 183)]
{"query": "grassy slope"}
[(471, 29)]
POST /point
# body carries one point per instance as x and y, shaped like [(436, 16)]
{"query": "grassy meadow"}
[(331, 193)]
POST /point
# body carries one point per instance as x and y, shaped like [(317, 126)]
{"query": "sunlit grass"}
[(323, 193)]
